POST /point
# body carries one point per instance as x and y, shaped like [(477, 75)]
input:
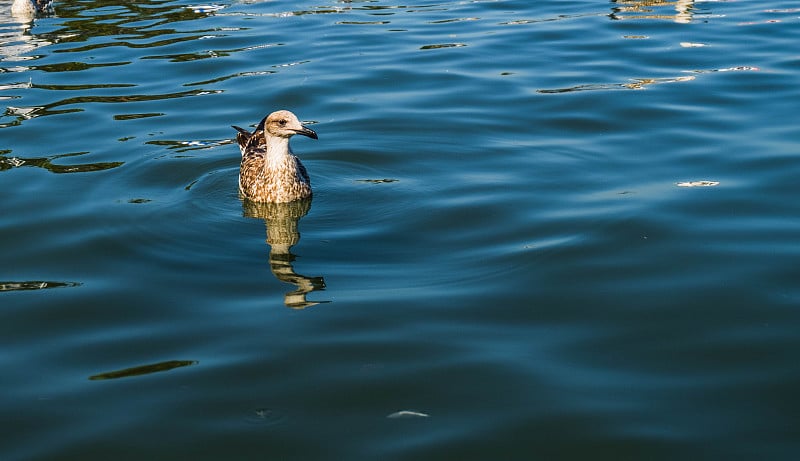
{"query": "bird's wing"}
[(247, 140), (302, 169), (242, 136)]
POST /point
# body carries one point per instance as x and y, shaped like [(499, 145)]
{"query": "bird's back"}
[(246, 140)]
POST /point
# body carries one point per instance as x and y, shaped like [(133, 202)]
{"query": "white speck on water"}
[(698, 184), (407, 414)]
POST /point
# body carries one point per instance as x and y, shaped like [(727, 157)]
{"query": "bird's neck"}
[(278, 150)]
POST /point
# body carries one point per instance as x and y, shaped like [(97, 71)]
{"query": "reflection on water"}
[(25, 113), (34, 285), (91, 26), (642, 83), (15, 33), (281, 220), (100, 26), (143, 369), (28, 9), (635, 84), (654, 9), (7, 163)]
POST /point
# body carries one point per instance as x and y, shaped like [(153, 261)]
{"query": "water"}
[(504, 258)]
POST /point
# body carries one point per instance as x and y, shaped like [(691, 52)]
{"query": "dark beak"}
[(306, 131)]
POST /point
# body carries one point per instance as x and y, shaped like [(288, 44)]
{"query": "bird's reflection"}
[(682, 10), (17, 42), (282, 233)]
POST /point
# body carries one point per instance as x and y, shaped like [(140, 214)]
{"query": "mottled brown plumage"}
[(269, 171)]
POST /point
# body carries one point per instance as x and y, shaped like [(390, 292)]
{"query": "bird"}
[(270, 172), (29, 8)]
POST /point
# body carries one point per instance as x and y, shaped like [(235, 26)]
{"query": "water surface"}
[(559, 230)]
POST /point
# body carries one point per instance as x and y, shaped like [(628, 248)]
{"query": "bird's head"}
[(285, 124)]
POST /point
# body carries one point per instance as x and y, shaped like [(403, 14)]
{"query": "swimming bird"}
[(269, 171), (30, 7)]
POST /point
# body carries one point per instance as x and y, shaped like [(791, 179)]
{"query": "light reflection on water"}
[(680, 11), (500, 240)]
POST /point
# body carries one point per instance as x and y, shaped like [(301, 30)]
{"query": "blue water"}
[(540, 230)]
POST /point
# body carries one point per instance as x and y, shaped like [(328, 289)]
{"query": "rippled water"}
[(540, 230)]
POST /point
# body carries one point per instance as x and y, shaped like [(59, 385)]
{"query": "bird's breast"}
[(273, 180)]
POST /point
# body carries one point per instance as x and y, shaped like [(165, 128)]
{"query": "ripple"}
[(35, 285), (27, 113), (228, 77), (80, 87), (138, 116), (73, 66), (442, 45), (266, 417), (562, 17), (143, 370), (7, 163), (205, 54), (635, 84), (185, 146), (363, 23)]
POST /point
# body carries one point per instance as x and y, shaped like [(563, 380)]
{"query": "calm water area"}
[(540, 230)]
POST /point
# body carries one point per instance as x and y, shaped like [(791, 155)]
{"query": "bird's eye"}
[(282, 122)]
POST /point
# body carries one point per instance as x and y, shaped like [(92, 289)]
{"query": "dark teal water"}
[(543, 230)]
